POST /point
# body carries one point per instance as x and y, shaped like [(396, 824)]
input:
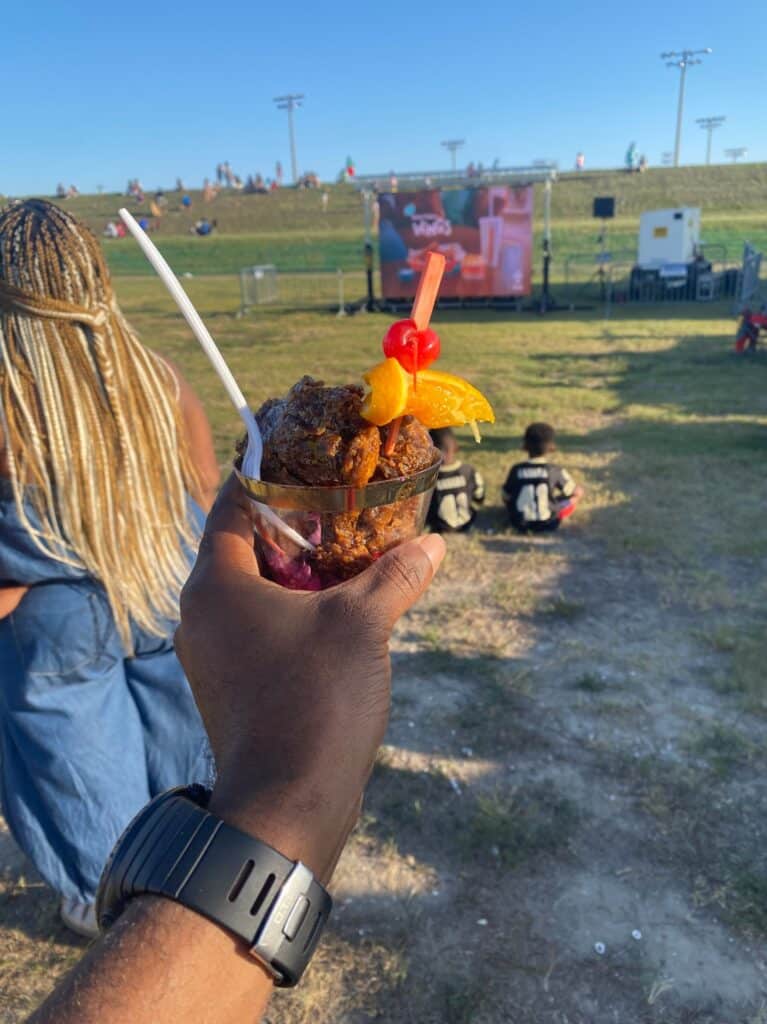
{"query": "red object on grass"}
[(747, 336)]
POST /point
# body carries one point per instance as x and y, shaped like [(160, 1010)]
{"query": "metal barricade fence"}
[(615, 282), (615, 277), (258, 285), (750, 291), (307, 290)]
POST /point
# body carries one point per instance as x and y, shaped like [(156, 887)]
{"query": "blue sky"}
[(94, 96)]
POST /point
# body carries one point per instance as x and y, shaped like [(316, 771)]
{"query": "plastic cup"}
[(348, 527)]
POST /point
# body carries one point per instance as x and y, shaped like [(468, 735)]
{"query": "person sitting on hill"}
[(460, 488), (204, 227), (538, 494)]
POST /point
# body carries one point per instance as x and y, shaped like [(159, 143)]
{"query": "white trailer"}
[(668, 237)]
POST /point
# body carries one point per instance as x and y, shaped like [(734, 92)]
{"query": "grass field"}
[(290, 230), (577, 747)]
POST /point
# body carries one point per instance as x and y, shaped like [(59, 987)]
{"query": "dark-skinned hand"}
[(294, 687)]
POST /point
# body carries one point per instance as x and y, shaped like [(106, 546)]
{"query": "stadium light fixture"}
[(682, 59), (289, 103), (709, 124), (453, 145)]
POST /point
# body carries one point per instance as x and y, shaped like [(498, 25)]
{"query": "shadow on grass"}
[(510, 541), (618, 312), (486, 705), (27, 904), (695, 821), (501, 828), (33, 909), (697, 375)]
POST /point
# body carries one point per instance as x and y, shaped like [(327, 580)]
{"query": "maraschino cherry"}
[(414, 350)]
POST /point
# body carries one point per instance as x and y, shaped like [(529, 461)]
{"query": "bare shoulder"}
[(199, 435), (185, 393), (173, 371), (192, 409)]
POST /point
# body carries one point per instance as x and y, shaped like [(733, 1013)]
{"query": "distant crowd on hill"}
[(225, 177)]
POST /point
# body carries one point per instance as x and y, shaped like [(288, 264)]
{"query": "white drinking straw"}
[(255, 444)]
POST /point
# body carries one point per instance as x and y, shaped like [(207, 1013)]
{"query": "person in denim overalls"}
[(106, 466)]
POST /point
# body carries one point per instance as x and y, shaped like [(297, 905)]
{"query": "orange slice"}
[(386, 393), (436, 399), (444, 400)]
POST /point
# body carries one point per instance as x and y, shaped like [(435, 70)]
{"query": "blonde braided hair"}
[(92, 422)]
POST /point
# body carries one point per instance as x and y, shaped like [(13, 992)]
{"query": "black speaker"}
[(604, 207)]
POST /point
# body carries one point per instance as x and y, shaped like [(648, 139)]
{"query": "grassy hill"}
[(725, 188), (290, 229)]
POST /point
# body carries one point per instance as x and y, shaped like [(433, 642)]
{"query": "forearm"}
[(159, 964)]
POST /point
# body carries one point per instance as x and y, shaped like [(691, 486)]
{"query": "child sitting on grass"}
[(538, 495), (460, 488)]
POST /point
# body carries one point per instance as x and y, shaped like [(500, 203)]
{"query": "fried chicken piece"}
[(316, 436), (352, 540), (413, 451)]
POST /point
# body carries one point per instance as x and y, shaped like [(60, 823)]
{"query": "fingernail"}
[(434, 546)]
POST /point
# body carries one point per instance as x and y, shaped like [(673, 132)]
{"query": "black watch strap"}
[(174, 847)]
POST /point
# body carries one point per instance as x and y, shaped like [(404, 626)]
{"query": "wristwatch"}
[(174, 847)]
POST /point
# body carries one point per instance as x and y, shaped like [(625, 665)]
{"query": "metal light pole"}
[(289, 103), (682, 60), (736, 154), (453, 145), (709, 124)]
